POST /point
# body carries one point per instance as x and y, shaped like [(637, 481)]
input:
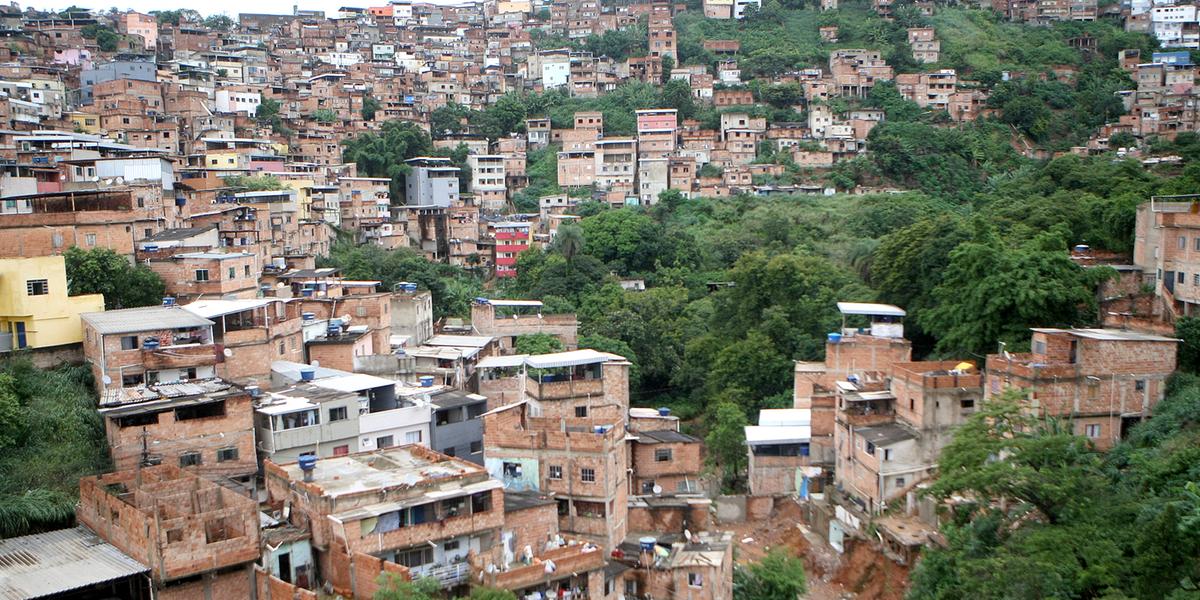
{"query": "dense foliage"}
[(103, 271), (1076, 523), (452, 288), (50, 436)]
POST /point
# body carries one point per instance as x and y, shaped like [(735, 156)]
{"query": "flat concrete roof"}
[(398, 466)]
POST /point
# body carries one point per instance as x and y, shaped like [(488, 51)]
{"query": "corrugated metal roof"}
[(42, 564), (870, 308), (150, 318)]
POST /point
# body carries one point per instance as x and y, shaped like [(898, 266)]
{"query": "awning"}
[(515, 303), (501, 362), (758, 435), (570, 359), (868, 308)]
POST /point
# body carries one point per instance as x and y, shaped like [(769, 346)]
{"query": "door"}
[(20, 334), (285, 566)]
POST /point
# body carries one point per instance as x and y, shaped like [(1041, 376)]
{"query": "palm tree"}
[(568, 241)]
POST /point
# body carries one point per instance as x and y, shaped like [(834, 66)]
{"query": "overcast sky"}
[(229, 7)]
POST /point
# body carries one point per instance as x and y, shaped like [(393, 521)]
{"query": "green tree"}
[(627, 240), (485, 593), (392, 587), (12, 422), (1188, 330), (726, 441), (993, 292), (677, 94), (324, 115), (219, 23), (778, 576), (254, 183), (370, 107), (383, 154), (103, 271), (538, 343), (568, 241), (105, 37)]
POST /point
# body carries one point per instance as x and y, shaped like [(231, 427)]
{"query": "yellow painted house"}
[(35, 310)]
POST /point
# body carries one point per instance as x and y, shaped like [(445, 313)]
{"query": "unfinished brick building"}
[(205, 427), (1103, 381), (508, 319), (199, 539)]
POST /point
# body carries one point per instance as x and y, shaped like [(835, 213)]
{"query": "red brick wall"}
[(532, 526)]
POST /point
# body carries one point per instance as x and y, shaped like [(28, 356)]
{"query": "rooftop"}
[(150, 318), (57, 562), (210, 309), (401, 466), (883, 435), (666, 436), (868, 308), (1108, 335)]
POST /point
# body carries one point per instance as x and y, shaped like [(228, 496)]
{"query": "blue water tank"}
[(150, 344), (835, 338), (308, 462), (308, 374), (168, 301), (664, 411), (647, 543), (426, 380), (410, 288)]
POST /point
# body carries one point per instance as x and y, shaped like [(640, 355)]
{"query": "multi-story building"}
[(139, 346), (407, 505), (512, 238), (924, 43), (204, 426), (1100, 381), (35, 310), (432, 182), (488, 181)]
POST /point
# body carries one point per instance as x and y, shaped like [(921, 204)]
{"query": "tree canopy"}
[(103, 271)]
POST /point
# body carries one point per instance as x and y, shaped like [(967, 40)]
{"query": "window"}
[(512, 470), (648, 487), (587, 475), (201, 274), (304, 418), (476, 447), (899, 482), (1197, 241), (415, 557), (580, 412), (227, 454), (384, 442), (337, 414), (1039, 347), (1092, 431), (342, 450), (870, 448), (246, 270), (1180, 277), (555, 471), (90, 239), (412, 437), (37, 287), (200, 411), (129, 342), (1139, 385), (450, 451), (662, 455), (887, 454), (965, 404), (189, 459), (1182, 242), (695, 580), (232, 273)]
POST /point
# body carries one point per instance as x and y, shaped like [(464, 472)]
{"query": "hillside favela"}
[(600, 300)]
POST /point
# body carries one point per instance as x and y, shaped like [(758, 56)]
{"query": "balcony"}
[(561, 390), (182, 356), (448, 575)]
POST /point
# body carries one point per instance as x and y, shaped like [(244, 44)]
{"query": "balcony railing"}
[(447, 575)]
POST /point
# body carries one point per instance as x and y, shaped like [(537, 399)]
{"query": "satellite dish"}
[(107, 380), (228, 353), (657, 490)]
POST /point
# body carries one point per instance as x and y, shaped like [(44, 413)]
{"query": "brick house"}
[(408, 505), (135, 346), (253, 333), (1102, 381), (191, 275), (506, 320), (205, 427), (665, 459)]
